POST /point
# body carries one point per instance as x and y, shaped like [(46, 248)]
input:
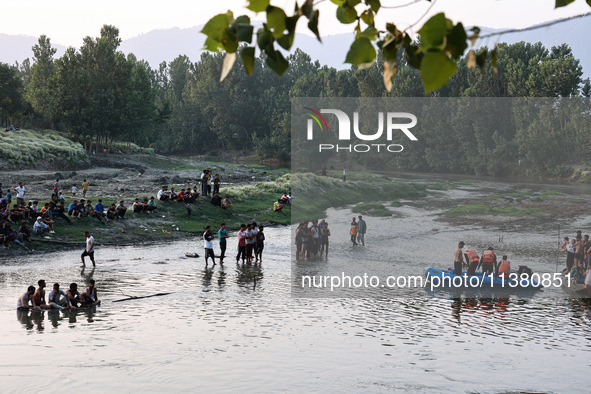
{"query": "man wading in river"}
[(458, 259), (208, 238), (89, 251)]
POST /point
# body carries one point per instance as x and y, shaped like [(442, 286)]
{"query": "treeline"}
[(98, 94)]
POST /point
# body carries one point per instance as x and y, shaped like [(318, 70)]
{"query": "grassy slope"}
[(25, 147)]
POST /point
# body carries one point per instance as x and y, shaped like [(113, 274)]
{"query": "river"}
[(243, 328)]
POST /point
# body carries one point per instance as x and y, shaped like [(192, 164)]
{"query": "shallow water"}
[(240, 328)]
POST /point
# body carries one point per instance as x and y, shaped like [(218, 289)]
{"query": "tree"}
[(11, 94), (442, 42), (41, 89)]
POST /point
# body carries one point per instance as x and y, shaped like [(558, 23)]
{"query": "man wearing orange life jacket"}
[(504, 267), (488, 261), (472, 260)]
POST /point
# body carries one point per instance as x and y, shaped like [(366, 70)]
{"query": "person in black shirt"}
[(216, 200)]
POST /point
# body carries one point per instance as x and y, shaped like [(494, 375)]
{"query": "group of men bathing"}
[(58, 299)]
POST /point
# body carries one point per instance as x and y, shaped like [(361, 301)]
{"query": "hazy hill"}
[(164, 45)]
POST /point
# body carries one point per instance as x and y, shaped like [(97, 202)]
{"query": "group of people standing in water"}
[(578, 257)]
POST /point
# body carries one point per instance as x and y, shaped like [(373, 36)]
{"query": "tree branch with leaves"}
[(435, 52)]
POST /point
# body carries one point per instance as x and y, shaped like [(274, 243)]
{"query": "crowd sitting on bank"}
[(21, 218), (35, 299)]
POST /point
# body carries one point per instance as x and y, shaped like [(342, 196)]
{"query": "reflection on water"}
[(236, 327), (36, 319)]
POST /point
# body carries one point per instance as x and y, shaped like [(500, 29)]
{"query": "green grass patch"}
[(520, 195), (167, 164), (493, 197), (437, 186), (578, 201), (480, 209), (396, 204), (371, 209), (465, 182), (314, 194)]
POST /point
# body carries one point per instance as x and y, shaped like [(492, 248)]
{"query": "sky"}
[(67, 22)]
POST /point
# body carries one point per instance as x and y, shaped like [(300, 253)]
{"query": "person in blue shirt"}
[(99, 207), (362, 231), (222, 236), (73, 209)]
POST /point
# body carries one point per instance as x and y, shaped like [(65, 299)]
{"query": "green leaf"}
[(589, 3), (244, 32), (229, 60), (389, 50), (212, 45), (247, 57), (353, 3), (433, 32), (339, 2), (373, 4), (216, 26), (229, 41), (243, 19), (413, 56), (276, 21), (346, 14), (264, 38), (361, 52), (456, 41), (371, 33), (258, 5), (287, 40), (367, 17), (313, 24), (436, 70), (277, 62), (562, 3)]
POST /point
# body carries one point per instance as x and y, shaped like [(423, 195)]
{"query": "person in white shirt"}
[(20, 194), (39, 227), (89, 250), (208, 238), (163, 194)]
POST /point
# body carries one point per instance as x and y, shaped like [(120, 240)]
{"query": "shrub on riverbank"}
[(25, 147)]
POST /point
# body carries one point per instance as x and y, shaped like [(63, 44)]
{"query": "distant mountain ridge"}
[(165, 45)]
